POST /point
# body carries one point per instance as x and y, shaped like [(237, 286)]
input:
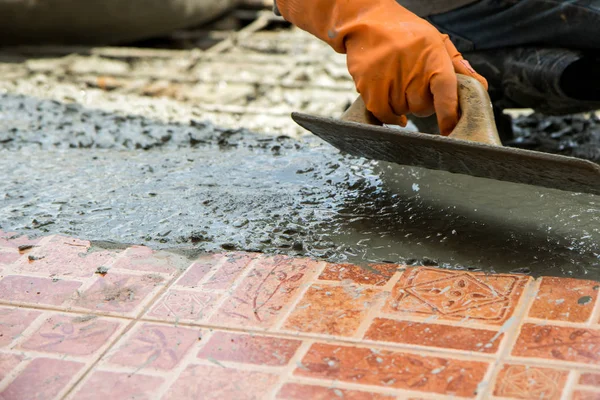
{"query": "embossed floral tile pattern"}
[(79, 322)]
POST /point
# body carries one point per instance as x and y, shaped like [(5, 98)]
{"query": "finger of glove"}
[(386, 115), (462, 66), (379, 104), (444, 87), (419, 99)]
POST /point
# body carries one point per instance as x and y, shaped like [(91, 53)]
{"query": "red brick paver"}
[(267, 291), (43, 378), (565, 299), (119, 386), (453, 295), (383, 368), (436, 335), (216, 382), (253, 349), (378, 275), (559, 343), (586, 395), (72, 335), (157, 346), (590, 379), (295, 391), (33, 290), (332, 310), (525, 382), (84, 323)]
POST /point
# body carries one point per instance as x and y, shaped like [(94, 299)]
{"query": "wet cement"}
[(28, 122), (128, 179)]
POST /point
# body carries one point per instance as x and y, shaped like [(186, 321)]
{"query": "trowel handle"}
[(476, 123)]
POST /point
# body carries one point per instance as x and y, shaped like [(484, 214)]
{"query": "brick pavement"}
[(80, 322)]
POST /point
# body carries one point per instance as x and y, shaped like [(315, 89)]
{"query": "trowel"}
[(473, 148)]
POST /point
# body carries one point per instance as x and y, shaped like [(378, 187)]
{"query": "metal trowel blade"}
[(456, 156)]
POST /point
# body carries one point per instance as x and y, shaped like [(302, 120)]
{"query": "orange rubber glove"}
[(401, 64)]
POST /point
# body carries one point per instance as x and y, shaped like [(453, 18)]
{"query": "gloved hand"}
[(400, 63)]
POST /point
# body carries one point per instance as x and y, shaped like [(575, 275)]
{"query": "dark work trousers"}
[(495, 24)]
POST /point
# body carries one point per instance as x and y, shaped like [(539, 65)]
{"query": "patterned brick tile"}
[(590, 379), (13, 321), (585, 395), (62, 256), (141, 258), (183, 306), (117, 292), (198, 270), (43, 291), (444, 336), (559, 343), (378, 275), (297, 391), (456, 295), (218, 383), (234, 364), (332, 310), (266, 293), (252, 349), (156, 346), (233, 266), (66, 334), (393, 369), (194, 306), (8, 362), (565, 299), (104, 385), (525, 382), (43, 378)]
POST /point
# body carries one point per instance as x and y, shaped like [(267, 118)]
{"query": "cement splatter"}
[(194, 187)]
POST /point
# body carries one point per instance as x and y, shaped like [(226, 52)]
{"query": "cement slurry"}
[(192, 187)]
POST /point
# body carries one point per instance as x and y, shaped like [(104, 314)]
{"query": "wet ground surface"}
[(116, 147), (206, 189)]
